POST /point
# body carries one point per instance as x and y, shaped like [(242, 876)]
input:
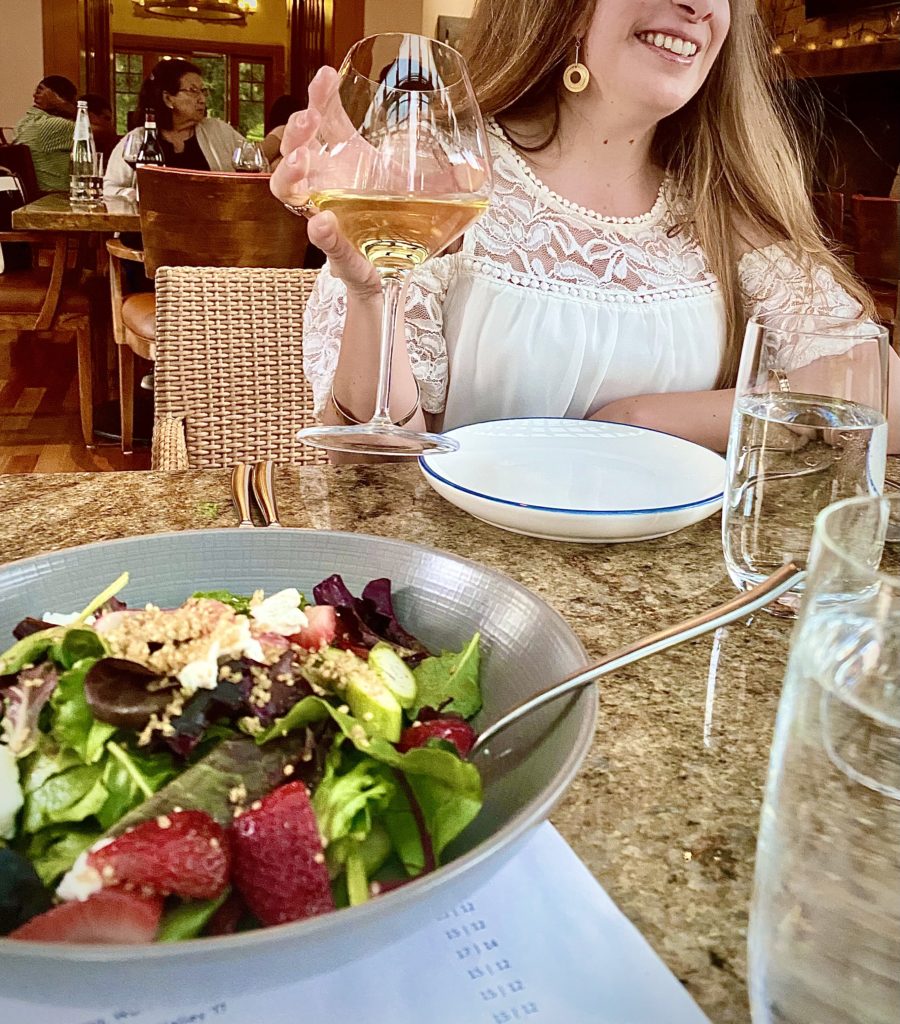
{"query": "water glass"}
[(809, 427), (825, 919)]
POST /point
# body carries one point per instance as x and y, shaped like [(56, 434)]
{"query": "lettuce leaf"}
[(55, 849), (447, 788), (72, 795), (74, 725), (188, 919), (450, 681), (130, 779), (238, 602), (347, 801), (22, 707)]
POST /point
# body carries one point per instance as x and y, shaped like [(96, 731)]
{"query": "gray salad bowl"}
[(440, 598)]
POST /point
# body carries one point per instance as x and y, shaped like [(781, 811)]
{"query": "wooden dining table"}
[(665, 807), (54, 212)]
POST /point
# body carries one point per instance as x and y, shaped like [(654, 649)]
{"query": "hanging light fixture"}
[(227, 11)]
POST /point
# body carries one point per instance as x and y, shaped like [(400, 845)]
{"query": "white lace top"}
[(550, 309)]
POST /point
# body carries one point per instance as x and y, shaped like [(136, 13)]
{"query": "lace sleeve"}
[(774, 282), (323, 328)]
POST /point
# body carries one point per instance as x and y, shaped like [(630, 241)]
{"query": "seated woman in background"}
[(635, 224), (190, 140)]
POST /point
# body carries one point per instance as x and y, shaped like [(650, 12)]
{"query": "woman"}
[(190, 140), (634, 226)]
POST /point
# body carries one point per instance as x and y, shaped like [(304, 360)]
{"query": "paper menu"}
[(540, 943)]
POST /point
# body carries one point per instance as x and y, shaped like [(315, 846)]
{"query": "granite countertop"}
[(664, 811)]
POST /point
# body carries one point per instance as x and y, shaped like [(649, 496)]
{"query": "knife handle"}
[(240, 493), (264, 491)]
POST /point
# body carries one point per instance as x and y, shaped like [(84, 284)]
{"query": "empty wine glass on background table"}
[(248, 158), (401, 157), (134, 142), (824, 941), (809, 427)]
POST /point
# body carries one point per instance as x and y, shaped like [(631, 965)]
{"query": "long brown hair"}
[(733, 151)]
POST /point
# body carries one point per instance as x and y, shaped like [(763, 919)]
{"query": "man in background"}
[(47, 129)]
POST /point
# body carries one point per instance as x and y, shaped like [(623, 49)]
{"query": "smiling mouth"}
[(672, 45)]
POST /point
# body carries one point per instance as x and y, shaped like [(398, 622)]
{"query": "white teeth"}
[(671, 43)]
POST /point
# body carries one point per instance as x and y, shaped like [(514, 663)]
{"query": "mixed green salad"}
[(236, 762)]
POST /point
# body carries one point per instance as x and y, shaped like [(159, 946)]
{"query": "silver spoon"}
[(737, 608)]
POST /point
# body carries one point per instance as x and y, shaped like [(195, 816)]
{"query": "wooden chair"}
[(829, 207), (51, 300), (193, 218), (877, 259), (15, 159), (229, 367)]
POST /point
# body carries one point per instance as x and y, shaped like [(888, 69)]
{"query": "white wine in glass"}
[(401, 158)]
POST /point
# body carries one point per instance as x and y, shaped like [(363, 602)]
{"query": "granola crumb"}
[(164, 821), (288, 769)]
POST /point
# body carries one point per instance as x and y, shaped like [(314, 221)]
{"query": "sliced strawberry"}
[(455, 730), (184, 853), (320, 628), (108, 916), (279, 864)]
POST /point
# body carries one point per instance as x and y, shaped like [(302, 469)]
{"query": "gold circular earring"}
[(576, 76)]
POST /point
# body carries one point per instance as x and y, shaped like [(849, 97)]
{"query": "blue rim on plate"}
[(570, 511)]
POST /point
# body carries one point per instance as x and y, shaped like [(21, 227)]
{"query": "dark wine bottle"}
[(151, 151)]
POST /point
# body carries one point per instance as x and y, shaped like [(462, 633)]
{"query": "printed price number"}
[(515, 1013), (499, 991), (461, 909), (476, 949)]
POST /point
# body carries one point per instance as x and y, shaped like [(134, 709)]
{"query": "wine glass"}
[(132, 149), (401, 157), (248, 158)]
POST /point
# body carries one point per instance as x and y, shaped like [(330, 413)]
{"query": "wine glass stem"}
[(393, 288)]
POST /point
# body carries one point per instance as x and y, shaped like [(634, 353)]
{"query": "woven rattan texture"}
[(229, 384)]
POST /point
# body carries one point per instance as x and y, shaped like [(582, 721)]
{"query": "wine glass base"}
[(376, 439)]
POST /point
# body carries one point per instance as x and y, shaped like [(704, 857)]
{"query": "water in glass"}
[(825, 920), (794, 454)]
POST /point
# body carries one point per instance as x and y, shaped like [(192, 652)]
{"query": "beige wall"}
[(21, 57), (269, 25), (393, 16), (455, 8)]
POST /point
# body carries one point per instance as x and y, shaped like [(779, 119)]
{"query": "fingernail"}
[(292, 157)]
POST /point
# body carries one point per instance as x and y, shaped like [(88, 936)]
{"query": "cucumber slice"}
[(393, 671)]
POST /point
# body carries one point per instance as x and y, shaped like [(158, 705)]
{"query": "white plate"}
[(578, 480)]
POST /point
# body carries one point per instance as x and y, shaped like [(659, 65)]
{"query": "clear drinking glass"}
[(809, 427), (248, 158), (825, 920), (134, 141), (401, 158)]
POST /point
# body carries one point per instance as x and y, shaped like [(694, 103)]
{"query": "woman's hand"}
[(290, 184)]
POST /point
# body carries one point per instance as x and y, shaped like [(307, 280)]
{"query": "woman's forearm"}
[(356, 377), (699, 416)]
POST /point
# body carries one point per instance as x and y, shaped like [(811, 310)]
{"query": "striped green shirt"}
[(50, 140)]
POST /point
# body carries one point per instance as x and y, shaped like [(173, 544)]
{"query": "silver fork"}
[(240, 493), (263, 481)]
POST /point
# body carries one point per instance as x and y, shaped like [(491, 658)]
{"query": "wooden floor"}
[(40, 430)]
